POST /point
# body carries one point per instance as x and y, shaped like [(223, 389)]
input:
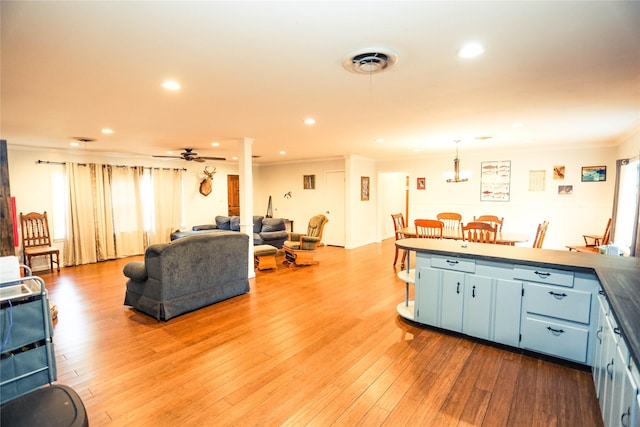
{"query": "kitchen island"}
[(581, 307)]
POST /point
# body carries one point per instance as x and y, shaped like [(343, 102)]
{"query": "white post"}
[(246, 194)]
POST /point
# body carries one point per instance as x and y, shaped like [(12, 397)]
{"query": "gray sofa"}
[(188, 274), (266, 231)]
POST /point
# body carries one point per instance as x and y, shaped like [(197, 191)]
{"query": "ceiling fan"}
[(189, 155)]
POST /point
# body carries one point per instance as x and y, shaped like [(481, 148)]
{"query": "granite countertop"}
[(619, 276)]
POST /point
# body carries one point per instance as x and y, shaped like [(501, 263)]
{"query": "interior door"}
[(233, 195), (334, 232)]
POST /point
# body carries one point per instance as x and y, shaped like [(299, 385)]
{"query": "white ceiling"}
[(569, 71)]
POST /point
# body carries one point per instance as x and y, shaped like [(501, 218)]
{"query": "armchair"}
[(300, 248)]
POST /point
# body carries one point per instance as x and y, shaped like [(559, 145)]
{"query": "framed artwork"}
[(536, 180), (309, 182), (364, 188), (558, 172), (422, 183), (594, 173), (565, 190), (495, 182)]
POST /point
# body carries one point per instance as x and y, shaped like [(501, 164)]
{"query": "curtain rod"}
[(48, 162)]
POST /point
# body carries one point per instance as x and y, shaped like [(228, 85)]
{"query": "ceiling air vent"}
[(371, 60)]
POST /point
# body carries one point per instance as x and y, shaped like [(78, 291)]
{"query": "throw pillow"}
[(234, 223), (223, 222)]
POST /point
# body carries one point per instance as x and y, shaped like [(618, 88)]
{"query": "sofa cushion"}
[(273, 224), (223, 222), (257, 223), (234, 223)]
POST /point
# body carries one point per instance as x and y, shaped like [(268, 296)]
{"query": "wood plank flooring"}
[(314, 346)]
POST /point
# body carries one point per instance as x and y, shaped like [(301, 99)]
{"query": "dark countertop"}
[(619, 276)]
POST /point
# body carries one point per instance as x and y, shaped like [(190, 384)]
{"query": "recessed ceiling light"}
[(74, 144), (169, 152), (215, 144), (309, 121), (283, 153), (471, 50), (379, 140), (234, 158), (171, 85), (107, 131)]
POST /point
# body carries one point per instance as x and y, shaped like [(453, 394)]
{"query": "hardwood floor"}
[(310, 346)]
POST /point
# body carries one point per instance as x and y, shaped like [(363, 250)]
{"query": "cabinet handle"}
[(599, 334), (626, 414), (557, 295), (458, 288), (610, 371), (473, 291), (452, 262), (601, 292), (555, 332), (542, 274), (616, 331)]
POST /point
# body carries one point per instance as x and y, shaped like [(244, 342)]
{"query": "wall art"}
[(495, 181), (364, 188), (422, 183), (594, 173), (309, 182)]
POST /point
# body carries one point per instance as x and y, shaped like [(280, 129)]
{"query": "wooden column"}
[(6, 220)]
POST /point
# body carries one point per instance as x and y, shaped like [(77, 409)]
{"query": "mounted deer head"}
[(205, 184)]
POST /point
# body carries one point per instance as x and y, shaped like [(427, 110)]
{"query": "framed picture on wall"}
[(309, 182), (422, 183), (565, 190), (364, 188), (594, 173)]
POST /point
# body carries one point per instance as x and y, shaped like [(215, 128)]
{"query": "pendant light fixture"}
[(456, 168)]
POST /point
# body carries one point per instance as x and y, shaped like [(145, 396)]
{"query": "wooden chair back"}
[(429, 228), (491, 219), (35, 230), (398, 224), (36, 240), (606, 237), (480, 232), (540, 233), (451, 220)]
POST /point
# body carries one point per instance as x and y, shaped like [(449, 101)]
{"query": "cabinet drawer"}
[(555, 339), (557, 302), (456, 264), (544, 275)]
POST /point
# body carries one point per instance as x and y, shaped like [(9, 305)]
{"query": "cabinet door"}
[(508, 302), (478, 307), (452, 300), (625, 390), (600, 363), (609, 351), (427, 296)]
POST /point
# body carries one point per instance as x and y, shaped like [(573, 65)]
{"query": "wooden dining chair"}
[(598, 241), (36, 240), (398, 225), (540, 233), (451, 220), (479, 232), (491, 219), (429, 228)]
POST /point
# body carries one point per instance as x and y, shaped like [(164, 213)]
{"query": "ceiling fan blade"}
[(198, 159), (168, 157), (222, 159)]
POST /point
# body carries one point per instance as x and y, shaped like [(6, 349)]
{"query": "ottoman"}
[(265, 256)]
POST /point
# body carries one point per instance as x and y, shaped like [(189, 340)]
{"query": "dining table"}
[(502, 237)]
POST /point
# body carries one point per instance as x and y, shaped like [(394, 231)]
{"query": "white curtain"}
[(105, 211), (167, 204)]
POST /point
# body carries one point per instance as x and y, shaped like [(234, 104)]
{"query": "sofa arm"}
[(204, 227), (136, 271)]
